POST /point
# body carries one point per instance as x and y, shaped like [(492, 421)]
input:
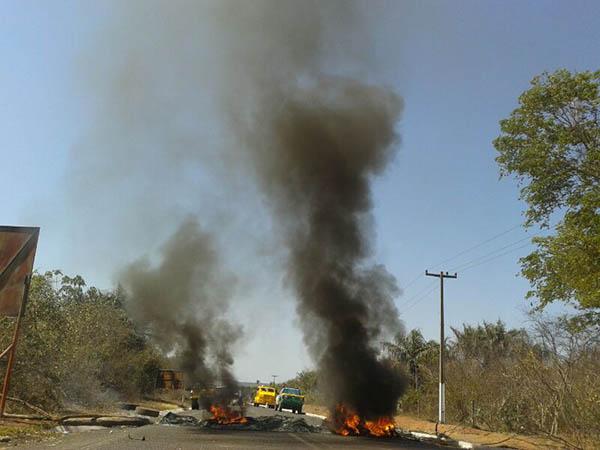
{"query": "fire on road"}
[(154, 437)]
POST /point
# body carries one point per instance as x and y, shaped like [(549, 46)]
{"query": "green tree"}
[(487, 343), (77, 346), (410, 349), (551, 143)]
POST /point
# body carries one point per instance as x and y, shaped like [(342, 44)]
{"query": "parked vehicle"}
[(290, 398), (265, 395)]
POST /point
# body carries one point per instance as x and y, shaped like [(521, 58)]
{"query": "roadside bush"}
[(77, 347), (541, 381)]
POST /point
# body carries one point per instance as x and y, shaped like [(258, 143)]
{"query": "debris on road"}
[(106, 421), (262, 423), (269, 423), (178, 419), (147, 411)]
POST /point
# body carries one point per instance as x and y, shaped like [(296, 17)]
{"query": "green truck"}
[(290, 398)]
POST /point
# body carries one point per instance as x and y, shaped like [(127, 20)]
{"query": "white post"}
[(442, 405)]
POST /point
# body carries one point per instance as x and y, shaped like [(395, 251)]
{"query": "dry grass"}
[(476, 436), (24, 430), (463, 433)]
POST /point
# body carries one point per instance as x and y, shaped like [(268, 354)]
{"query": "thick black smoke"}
[(267, 72), (181, 302), (316, 151)]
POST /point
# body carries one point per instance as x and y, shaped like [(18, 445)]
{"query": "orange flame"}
[(347, 423), (225, 416)]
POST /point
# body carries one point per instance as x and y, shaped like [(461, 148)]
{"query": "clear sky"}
[(460, 67)]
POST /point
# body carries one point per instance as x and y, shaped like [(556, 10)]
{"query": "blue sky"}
[(460, 67)]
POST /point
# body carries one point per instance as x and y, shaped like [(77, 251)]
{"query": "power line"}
[(462, 252), (496, 257), (463, 265), (413, 280), (423, 293), (418, 300), (433, 283), (413, 300)]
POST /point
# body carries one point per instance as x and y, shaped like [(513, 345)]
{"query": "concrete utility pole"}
[(442, 393)]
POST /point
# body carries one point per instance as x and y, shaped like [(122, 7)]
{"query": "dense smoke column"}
[(181, 302), (316, 152)]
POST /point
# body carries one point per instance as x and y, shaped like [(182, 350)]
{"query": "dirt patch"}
[(316, 409), (476, 436)]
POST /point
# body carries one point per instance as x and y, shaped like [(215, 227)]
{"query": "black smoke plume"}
[(287, 78), (181, 302), (316, 150)]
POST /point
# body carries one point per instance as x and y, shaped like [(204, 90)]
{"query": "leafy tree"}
[(410, 349), (551, 143), (487, 342), (77, 346)]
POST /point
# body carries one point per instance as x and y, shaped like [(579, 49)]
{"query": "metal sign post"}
[(13, 345), (17, 253)]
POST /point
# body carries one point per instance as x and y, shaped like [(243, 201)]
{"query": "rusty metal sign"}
[(17, 252)]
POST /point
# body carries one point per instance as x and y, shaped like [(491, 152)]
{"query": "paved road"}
[(178, 437), (174, 437), (254, 411)]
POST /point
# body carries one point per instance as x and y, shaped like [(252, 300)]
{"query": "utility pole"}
[(442, 393), (274, 376)]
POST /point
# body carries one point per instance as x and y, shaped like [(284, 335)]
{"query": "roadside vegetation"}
[(77, 347), (541, 380), (536, 381)]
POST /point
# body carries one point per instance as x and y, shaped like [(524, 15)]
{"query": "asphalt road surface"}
[(180, 437)]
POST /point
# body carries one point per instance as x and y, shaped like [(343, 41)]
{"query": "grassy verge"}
[(24, 430)]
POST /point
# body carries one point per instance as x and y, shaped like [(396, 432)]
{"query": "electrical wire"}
[(476, 246), (411, 298), (495, 257), (419, 299), (481, 257), (415, 299), (463, 252)]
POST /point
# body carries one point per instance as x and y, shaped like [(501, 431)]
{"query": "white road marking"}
[(315, 415)]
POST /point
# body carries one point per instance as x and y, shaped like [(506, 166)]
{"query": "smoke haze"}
[(182, 301), (260, 117)]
